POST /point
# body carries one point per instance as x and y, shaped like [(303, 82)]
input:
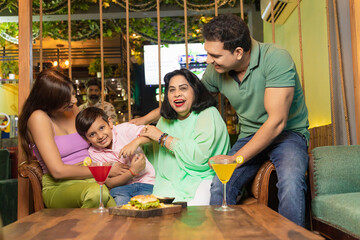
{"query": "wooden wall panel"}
[(355, 42), (320, 136)]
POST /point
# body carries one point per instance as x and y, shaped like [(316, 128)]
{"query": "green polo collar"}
[(254, 58), (255, 54)]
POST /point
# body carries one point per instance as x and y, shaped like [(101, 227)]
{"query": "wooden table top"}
[(246, 222)]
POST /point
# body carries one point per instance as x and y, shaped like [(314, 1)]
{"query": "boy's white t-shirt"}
[(123, 134)]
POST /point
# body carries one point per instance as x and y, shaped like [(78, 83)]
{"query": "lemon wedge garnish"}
[(87, 161)]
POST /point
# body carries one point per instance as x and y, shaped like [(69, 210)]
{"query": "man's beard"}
[(94, 98)]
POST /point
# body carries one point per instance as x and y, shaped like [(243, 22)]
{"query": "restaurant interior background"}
[(312, 40)]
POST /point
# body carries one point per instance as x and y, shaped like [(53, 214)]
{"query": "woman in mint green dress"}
[(189, 132)]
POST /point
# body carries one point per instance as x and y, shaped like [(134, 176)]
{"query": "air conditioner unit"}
[(282, 10)]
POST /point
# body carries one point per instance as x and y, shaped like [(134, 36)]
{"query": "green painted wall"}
[(9, 98), (315, 54)]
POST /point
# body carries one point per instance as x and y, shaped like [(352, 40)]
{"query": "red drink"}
[(100, 173)]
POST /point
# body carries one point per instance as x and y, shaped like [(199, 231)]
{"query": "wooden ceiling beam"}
[(120, 15)]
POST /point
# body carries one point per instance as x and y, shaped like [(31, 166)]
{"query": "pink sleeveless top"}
[(73, 149)]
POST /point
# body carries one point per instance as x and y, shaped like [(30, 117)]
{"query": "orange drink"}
[(224, 171)]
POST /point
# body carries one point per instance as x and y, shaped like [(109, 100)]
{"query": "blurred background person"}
[(93, 94)]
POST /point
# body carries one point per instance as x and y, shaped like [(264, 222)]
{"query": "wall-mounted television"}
[(173, 56)]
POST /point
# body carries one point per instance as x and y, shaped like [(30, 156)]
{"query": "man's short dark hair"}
[(93, 82), (229, 29), (202, 97), (87, 117)]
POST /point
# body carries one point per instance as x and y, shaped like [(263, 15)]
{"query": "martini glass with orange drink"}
[(100, 171), (224, 169)]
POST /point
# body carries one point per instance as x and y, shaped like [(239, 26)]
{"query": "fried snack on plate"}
[(141, 202)]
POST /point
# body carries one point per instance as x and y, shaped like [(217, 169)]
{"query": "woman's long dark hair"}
[(202, 97), (50, 92)]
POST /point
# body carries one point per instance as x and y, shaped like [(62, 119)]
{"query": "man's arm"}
[(277, 102), (152, 116)]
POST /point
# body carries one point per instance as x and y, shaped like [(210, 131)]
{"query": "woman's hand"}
[(151, 132), (138, 163), (118, 168)]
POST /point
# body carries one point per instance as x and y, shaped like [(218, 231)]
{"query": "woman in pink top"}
[(108, 145), (47, 125)]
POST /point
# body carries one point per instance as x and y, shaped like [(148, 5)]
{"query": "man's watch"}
[(239, 159)]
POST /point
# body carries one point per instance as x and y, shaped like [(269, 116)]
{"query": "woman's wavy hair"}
[(230, 30), (50, 92), (202, 97)]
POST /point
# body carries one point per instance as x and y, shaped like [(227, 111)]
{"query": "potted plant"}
[(95, 68), (10, 68)]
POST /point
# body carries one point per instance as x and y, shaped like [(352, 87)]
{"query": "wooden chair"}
[(263, 188), (32, 171)]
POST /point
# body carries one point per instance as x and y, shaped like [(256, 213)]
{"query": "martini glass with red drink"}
[(100, 171)]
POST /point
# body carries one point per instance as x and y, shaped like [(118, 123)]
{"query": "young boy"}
[(107, 141)]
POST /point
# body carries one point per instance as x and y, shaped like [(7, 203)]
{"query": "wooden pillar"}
[(101, 54), (355, 41), (128, 58), (25, 80), (159, 49)]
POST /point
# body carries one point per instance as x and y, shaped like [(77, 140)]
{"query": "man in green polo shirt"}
[(262, 85)]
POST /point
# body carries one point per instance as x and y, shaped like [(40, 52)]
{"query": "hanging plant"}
[(95, 67), (171, 32), (121, 70), (172, 29), (8, 67)]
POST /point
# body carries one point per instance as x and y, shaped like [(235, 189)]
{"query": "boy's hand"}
[(138, 163), (129, 149), (118, 169)]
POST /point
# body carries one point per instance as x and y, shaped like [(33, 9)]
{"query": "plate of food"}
[(166, 200), (145, 206)]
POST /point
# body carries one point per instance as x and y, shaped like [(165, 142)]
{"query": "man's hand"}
[(218, 157), (139, 121), (118, 169), (152, 116)]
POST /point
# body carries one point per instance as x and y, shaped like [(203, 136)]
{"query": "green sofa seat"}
[(8, 189), (341, 210), (8, 200), (336, 187)]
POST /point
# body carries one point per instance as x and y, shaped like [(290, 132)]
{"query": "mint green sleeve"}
[(207, 139)]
